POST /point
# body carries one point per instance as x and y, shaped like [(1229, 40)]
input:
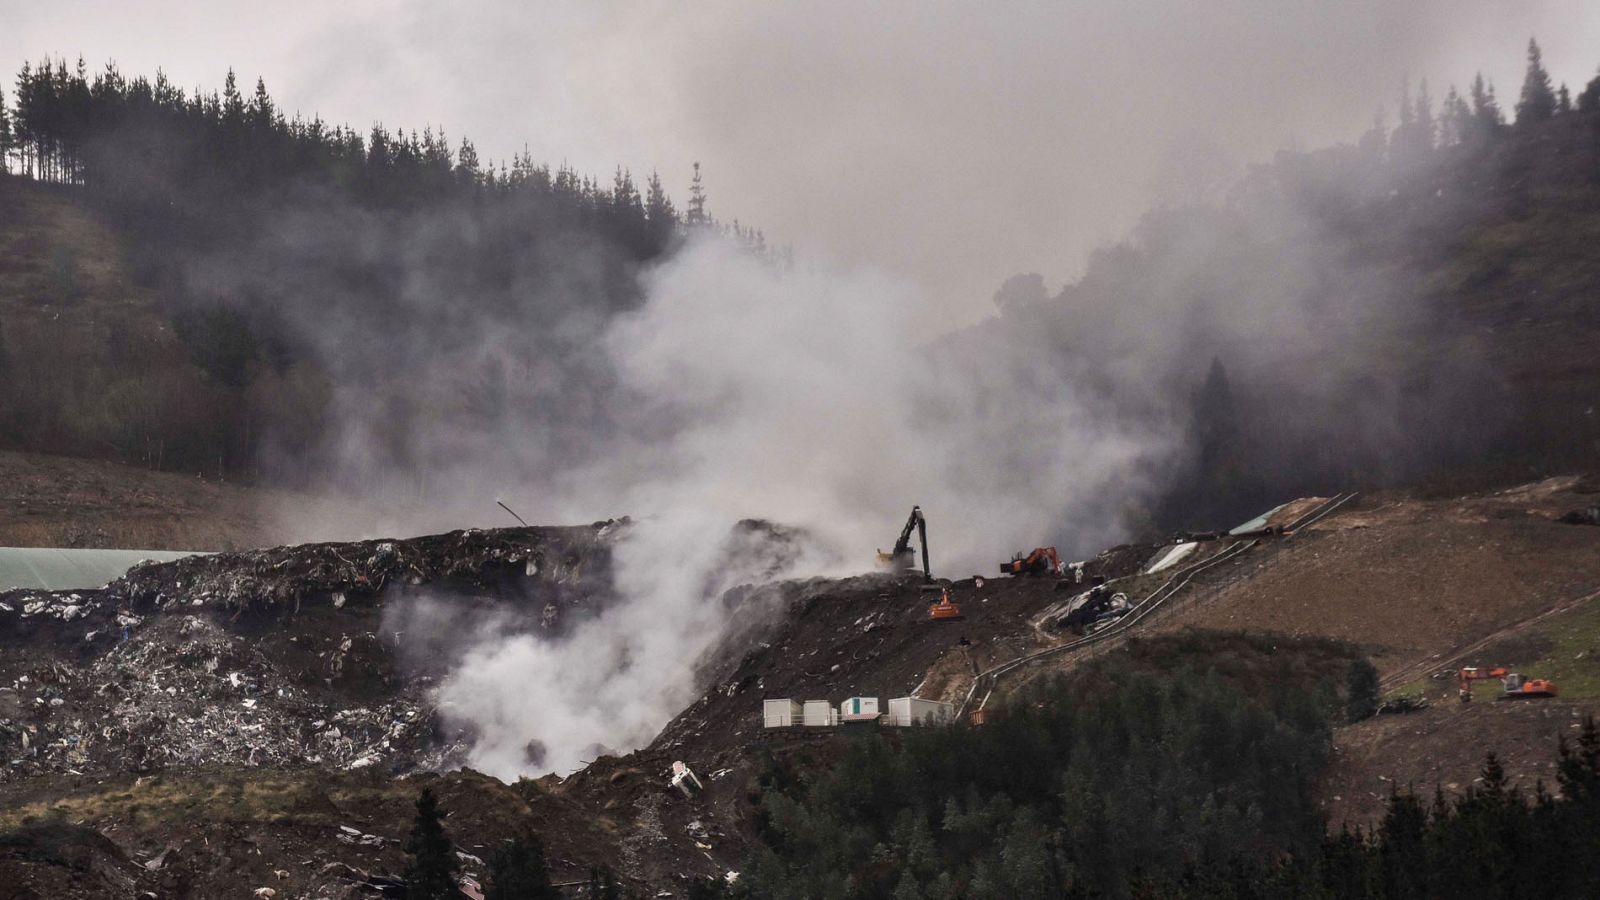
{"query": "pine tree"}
[(468, 170), (431, 874), (232, 100), (1485, 109), (1362, 690), (5, 136), (1423, 123), (1589, 100), (1402, 847), (518, 872), (263, 113), (1563, 99), (1538, 101), (697, 201)]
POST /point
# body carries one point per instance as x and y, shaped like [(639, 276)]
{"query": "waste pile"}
[(274, 657)]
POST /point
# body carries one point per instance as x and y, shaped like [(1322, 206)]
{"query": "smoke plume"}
[(796, 395)]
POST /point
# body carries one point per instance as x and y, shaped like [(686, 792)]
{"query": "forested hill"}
[(197, 282), (1418, 306), (184, 276)]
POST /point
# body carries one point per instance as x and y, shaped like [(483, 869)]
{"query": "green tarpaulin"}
[(52, 569)]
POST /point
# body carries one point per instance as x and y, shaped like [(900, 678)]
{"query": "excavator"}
[(946, 609), (1042, 561), (1517, 687), (903, 558)]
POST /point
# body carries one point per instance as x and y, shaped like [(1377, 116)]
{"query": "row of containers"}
[(902, 711)]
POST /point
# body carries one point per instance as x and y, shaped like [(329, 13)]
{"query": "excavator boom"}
[(903, 557)]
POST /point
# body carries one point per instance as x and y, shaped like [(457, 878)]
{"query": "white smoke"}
[(800, 396)]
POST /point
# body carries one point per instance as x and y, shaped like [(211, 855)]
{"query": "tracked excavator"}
[(1042, 561), (903, 558), (1517, 687)]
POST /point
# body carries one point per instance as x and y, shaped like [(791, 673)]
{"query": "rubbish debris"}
[(1402, 705), (684, 780), (1590, 516)]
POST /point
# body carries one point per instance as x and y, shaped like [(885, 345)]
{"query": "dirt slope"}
[(61, 501), (1414, 579)]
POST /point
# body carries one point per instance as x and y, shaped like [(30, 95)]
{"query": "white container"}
[(905, 711), (820, 712), (858, 708), (781, 713)]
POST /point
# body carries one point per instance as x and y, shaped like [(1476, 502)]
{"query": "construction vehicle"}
[(946, 609), (1042, 561), (1515, 687), (903, 558)]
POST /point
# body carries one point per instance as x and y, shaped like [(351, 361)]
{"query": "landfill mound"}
[(273, 657)]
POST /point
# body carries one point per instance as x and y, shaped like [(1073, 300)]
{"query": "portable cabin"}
[(781, 713), (858, 709), (905, 711), (820, 712)]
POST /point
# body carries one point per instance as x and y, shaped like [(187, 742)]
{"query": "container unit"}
[(819, 712), (858, 709), (905, 711), (781, 713)]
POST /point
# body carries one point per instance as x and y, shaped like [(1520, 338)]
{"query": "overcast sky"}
[(951, 143)]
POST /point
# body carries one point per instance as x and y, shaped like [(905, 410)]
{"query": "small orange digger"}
[(1517, 687), (946, 609)]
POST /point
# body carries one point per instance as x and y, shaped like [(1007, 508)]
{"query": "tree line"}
[(143, 141), (1184, 772)]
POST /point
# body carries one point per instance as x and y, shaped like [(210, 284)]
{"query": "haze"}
[(951, 144)]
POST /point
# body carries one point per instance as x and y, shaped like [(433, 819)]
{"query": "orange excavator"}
[(1042, 561), (1517, 687), (946, 609)]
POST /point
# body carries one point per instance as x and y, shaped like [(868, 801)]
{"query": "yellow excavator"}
[(902, 558)]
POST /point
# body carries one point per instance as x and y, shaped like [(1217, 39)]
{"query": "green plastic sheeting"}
[(53, 569)]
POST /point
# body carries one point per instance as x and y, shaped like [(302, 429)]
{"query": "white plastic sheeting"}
[(1172, 557)]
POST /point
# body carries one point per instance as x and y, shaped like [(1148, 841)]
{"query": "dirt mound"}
[(47, 861)]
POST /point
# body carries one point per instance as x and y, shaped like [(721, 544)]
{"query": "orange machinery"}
[(1042, 561), (945, 609), (1517, 687)]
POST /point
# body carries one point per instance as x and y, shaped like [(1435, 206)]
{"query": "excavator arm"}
[(917, 523)]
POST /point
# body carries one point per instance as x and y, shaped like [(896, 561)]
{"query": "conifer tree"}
[(5, 136), (518, 871), (1538, 101), (468, 169), (1362, 689), (697, 201), (1485, 108), (1589, 100), (431, 874), (1563, 99)]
